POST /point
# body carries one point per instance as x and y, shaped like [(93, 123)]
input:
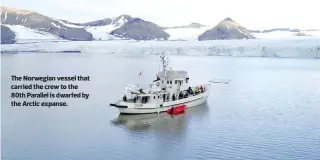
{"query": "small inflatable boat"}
[(177, 109)]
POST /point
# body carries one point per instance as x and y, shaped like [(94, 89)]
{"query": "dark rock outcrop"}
[(39, 22), (7, 35), (225, 30), (139, 29)]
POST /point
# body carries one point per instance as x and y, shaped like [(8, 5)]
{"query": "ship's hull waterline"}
[(189, 102)]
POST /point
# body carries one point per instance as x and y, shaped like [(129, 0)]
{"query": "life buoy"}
[(158, 83)]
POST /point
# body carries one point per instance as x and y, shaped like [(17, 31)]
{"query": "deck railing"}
[(139, 104)]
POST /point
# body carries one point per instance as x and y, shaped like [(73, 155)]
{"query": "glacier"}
[(280, 44), (185, 33), (277, 48), (102, 32)]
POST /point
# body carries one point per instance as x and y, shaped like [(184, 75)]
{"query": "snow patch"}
[(69, 25), (55, 25), (239, 30), (120, 22), (22, 32), (5, 16)]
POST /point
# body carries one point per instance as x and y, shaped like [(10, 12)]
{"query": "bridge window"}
[(187, 79), (170, 82)]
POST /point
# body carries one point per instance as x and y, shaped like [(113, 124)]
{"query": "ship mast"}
[(165, 61)]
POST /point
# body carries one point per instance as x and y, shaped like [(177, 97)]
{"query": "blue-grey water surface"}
[(269, 110)]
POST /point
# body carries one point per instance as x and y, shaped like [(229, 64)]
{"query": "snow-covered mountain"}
[(40, 23), (102, 32), (25, 24), (101, 29), (124, 27), (120, 27), (116, 21), (22, 24)]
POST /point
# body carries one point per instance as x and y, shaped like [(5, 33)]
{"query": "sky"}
[(252, 14)]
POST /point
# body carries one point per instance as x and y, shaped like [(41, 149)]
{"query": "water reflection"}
[(161, 122)]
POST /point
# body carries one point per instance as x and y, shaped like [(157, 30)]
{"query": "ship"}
[(170, 88)]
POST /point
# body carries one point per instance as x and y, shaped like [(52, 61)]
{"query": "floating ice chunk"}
[(225, 81)]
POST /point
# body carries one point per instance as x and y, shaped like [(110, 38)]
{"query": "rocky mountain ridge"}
[(226, 29), (36, 21), (121, 27)]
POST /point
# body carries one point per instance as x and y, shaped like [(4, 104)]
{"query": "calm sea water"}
[(269, 110)]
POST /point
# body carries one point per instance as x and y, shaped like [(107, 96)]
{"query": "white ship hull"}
[(191, 101)]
